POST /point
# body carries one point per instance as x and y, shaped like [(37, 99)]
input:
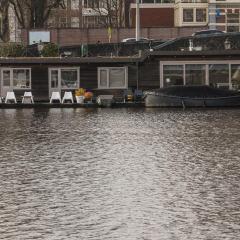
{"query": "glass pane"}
[(233, 17), (21, 78), (235, 73), (117, 78), (75, 4), (69, 78), (6, 78), (219, 75), (201, 15), (54, 78), (195, 74), (188, 15), (172, 75), (103, 78)]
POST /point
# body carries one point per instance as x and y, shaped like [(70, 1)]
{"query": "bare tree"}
[(34, 13), (4, 33), (111, 12)]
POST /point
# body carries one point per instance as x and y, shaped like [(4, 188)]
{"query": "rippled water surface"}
[(125, 174)]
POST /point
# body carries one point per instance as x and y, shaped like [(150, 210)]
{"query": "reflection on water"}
[(125, 174)]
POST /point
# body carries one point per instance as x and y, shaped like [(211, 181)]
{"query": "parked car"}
[(205, 32), (134, 40)]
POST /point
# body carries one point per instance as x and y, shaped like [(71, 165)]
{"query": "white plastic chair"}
[(27, 98), (10, 97), (67, 96), (55, 97)]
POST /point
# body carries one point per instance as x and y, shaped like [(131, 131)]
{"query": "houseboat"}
[(202, 60)]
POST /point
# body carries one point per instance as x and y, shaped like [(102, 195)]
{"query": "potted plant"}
[(79, 94), (88, 96)]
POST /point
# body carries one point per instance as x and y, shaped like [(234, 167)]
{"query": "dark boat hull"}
[(162, 100)]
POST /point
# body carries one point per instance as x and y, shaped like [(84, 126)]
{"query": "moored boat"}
[(192, 96)]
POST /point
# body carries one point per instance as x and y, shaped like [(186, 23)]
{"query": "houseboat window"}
[(116, 78), (64, 78), (112, 77), (16, 78), (173, 75), (54, 78), (235, 75), (6, 78), (195, 74), (21, 78), (219, 75), (69, 78), (103, 78)]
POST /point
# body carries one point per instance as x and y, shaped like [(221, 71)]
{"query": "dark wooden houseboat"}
[(187, 61)]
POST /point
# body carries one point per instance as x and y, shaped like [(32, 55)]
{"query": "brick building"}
[(220, 14), (88, 14), (160, 19)]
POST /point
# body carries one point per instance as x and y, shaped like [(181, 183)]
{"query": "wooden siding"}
[(149, 77)]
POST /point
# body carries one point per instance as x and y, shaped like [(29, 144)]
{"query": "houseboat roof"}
[(131, 59), (71, 60), (226, 45)]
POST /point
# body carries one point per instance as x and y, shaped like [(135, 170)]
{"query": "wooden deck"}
[(66, 105)]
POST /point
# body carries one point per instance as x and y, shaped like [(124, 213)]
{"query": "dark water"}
[(122, 174)]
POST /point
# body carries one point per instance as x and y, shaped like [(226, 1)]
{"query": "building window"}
[(219, 75), (75, 22), (194, 15), (63, 22), (75, 4), (188, 15), (92, 3), (172, 75), (64, 78), (16, 78), (201, 15), (112, 78), (233, 22)]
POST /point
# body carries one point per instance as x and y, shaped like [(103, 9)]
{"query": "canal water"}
[(124, 174)]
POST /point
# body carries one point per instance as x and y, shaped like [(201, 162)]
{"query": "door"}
[(6, 84), (54, 84)]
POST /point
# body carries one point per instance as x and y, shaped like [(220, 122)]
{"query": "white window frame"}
[(194, 22), (184, 63), (11, 78), (59, 76), (108, 71)]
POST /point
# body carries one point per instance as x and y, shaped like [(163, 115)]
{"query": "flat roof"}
[(130, 59)]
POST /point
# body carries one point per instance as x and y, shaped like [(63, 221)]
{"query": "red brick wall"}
[(154, 17), (72, 36)]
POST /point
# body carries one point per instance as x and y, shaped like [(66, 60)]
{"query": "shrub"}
[(12, 50), (50, 50)]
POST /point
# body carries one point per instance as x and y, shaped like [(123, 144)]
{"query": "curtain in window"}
[(54, 78), (117, 78), (69, 78), (103, 78), (21, 78), (6, 78)]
